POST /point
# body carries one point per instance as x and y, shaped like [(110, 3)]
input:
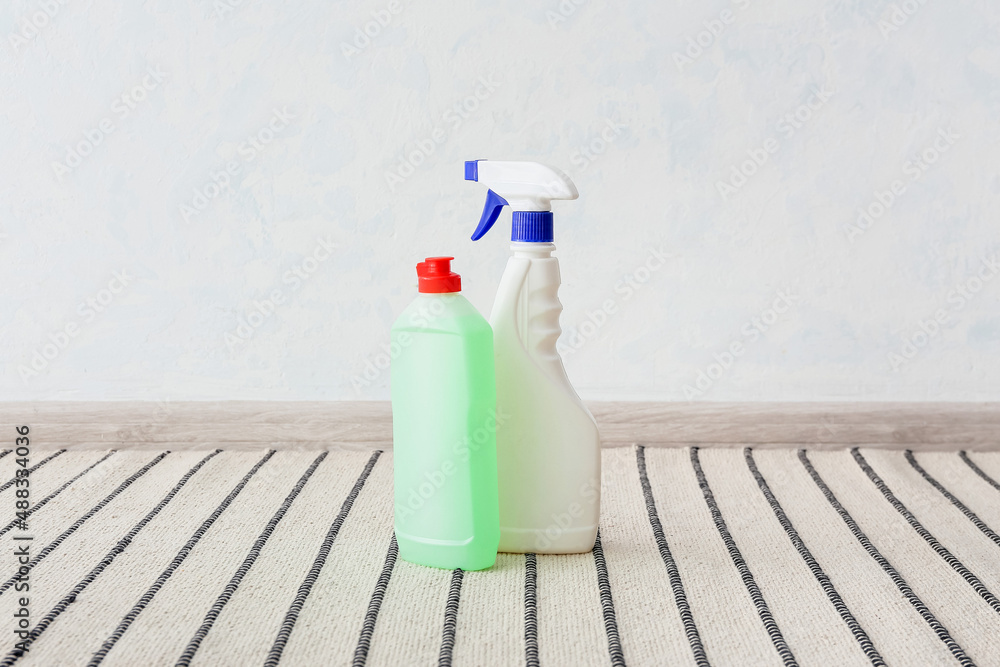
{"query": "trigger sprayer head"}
[(528, 188)]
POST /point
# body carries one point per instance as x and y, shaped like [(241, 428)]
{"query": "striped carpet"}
[(705, 557)]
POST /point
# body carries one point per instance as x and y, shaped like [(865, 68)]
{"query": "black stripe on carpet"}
[(608, 606), (82, 520), (897, 578), (680, 598), (292, 615), (371, 616), (824, 581), (970, 515), (979, 471), (530, 610), (122, 544), (151, 592), (939, 548), (10, 482), (241, 571), (450, 618), (41, 503), (763, 610)]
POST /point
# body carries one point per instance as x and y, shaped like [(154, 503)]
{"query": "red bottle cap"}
[(435, 276)]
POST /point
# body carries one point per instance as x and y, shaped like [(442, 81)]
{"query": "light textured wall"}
[(118, 119)]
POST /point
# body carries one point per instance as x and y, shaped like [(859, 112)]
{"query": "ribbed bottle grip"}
[(544, 325)]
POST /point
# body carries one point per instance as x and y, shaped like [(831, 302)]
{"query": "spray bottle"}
[(548, 446)]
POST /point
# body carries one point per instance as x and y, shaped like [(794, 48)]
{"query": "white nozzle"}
[(527, 186)]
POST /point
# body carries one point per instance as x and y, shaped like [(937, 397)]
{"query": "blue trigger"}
[(494, 204)]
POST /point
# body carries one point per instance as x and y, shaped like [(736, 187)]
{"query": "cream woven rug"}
[(706, 557)]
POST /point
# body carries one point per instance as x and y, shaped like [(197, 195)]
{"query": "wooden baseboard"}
[(321, 425)]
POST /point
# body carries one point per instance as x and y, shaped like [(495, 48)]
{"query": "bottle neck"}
[(532, 250), (438, 295)]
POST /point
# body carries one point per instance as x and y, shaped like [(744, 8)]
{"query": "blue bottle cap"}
[(532, 226)]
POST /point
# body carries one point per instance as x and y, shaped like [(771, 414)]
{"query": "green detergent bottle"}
[(444, 427)]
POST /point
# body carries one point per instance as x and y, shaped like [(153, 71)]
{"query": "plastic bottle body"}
[(548, 445), (444, 434)]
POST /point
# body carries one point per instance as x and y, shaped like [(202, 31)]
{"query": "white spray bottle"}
[(548, 446)]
